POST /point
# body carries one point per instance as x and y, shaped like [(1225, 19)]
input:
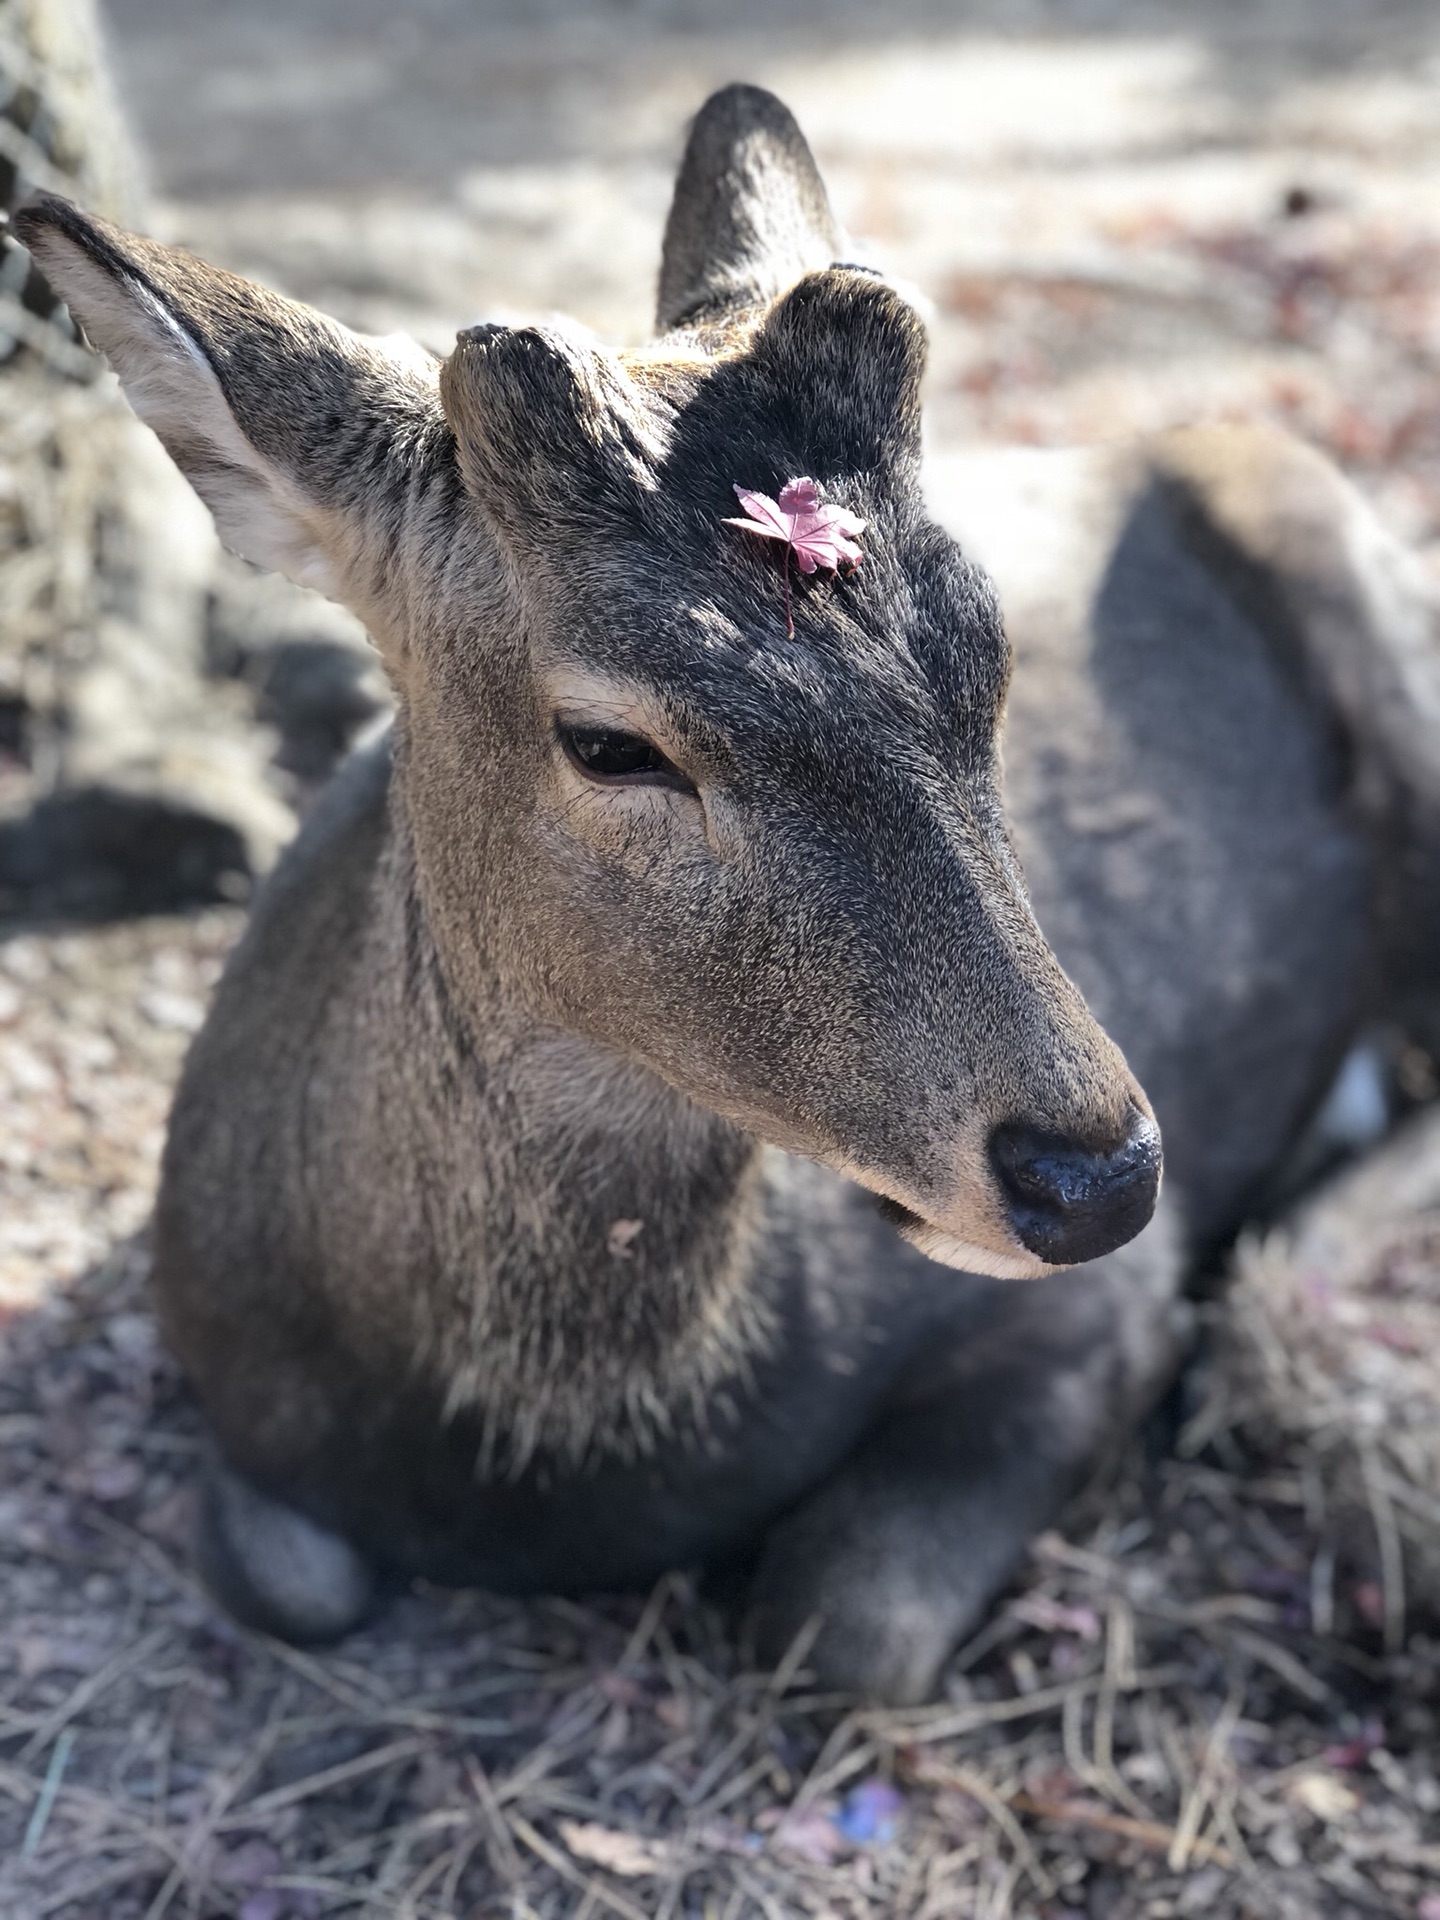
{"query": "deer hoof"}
[(275, 1570)]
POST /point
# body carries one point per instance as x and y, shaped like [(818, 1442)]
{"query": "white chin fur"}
[(951, 1251)]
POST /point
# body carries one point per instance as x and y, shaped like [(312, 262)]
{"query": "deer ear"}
[(750, 212), (843, 356), (282, 420), (549, 430)]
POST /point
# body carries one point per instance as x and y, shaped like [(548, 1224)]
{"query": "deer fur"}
[(519, 1218)]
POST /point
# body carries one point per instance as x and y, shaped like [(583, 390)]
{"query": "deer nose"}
[(1068, 1202)]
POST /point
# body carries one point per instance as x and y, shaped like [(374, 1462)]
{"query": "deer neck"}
[(599, 1273)]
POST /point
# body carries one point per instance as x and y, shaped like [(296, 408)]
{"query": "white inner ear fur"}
[(260, 512)]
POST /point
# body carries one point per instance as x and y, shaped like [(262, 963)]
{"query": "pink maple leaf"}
[(817, 535)]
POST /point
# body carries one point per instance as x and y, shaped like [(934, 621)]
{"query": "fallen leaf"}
[(267, 1904), (818, 536), (1370, 1602), (811, 1834), (627, 1854), (1323, 1795), (1052, 1616), (251, 1864), (870, 1816), (672, 1710), (1355, 1752)]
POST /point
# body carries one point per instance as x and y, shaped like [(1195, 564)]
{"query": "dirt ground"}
[(1125, 212), (1201, 1700)]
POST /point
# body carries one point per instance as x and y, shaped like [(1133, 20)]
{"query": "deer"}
[(643, 1124)]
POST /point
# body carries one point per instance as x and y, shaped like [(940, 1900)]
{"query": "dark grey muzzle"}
[(1069, 1202)]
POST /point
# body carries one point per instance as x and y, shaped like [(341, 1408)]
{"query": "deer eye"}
[(614, 758)]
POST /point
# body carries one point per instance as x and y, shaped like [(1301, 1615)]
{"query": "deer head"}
[(773, 870)]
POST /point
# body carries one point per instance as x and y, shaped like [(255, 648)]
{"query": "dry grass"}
[(1184, 1707), (1329, 1361)]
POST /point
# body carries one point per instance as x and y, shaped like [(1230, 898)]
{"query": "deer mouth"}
[(1063, 1202), (951, 1249)]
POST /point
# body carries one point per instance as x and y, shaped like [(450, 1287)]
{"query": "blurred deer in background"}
[(518, 1225)]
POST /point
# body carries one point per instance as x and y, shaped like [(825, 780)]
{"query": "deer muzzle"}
[(1070, 1201)]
